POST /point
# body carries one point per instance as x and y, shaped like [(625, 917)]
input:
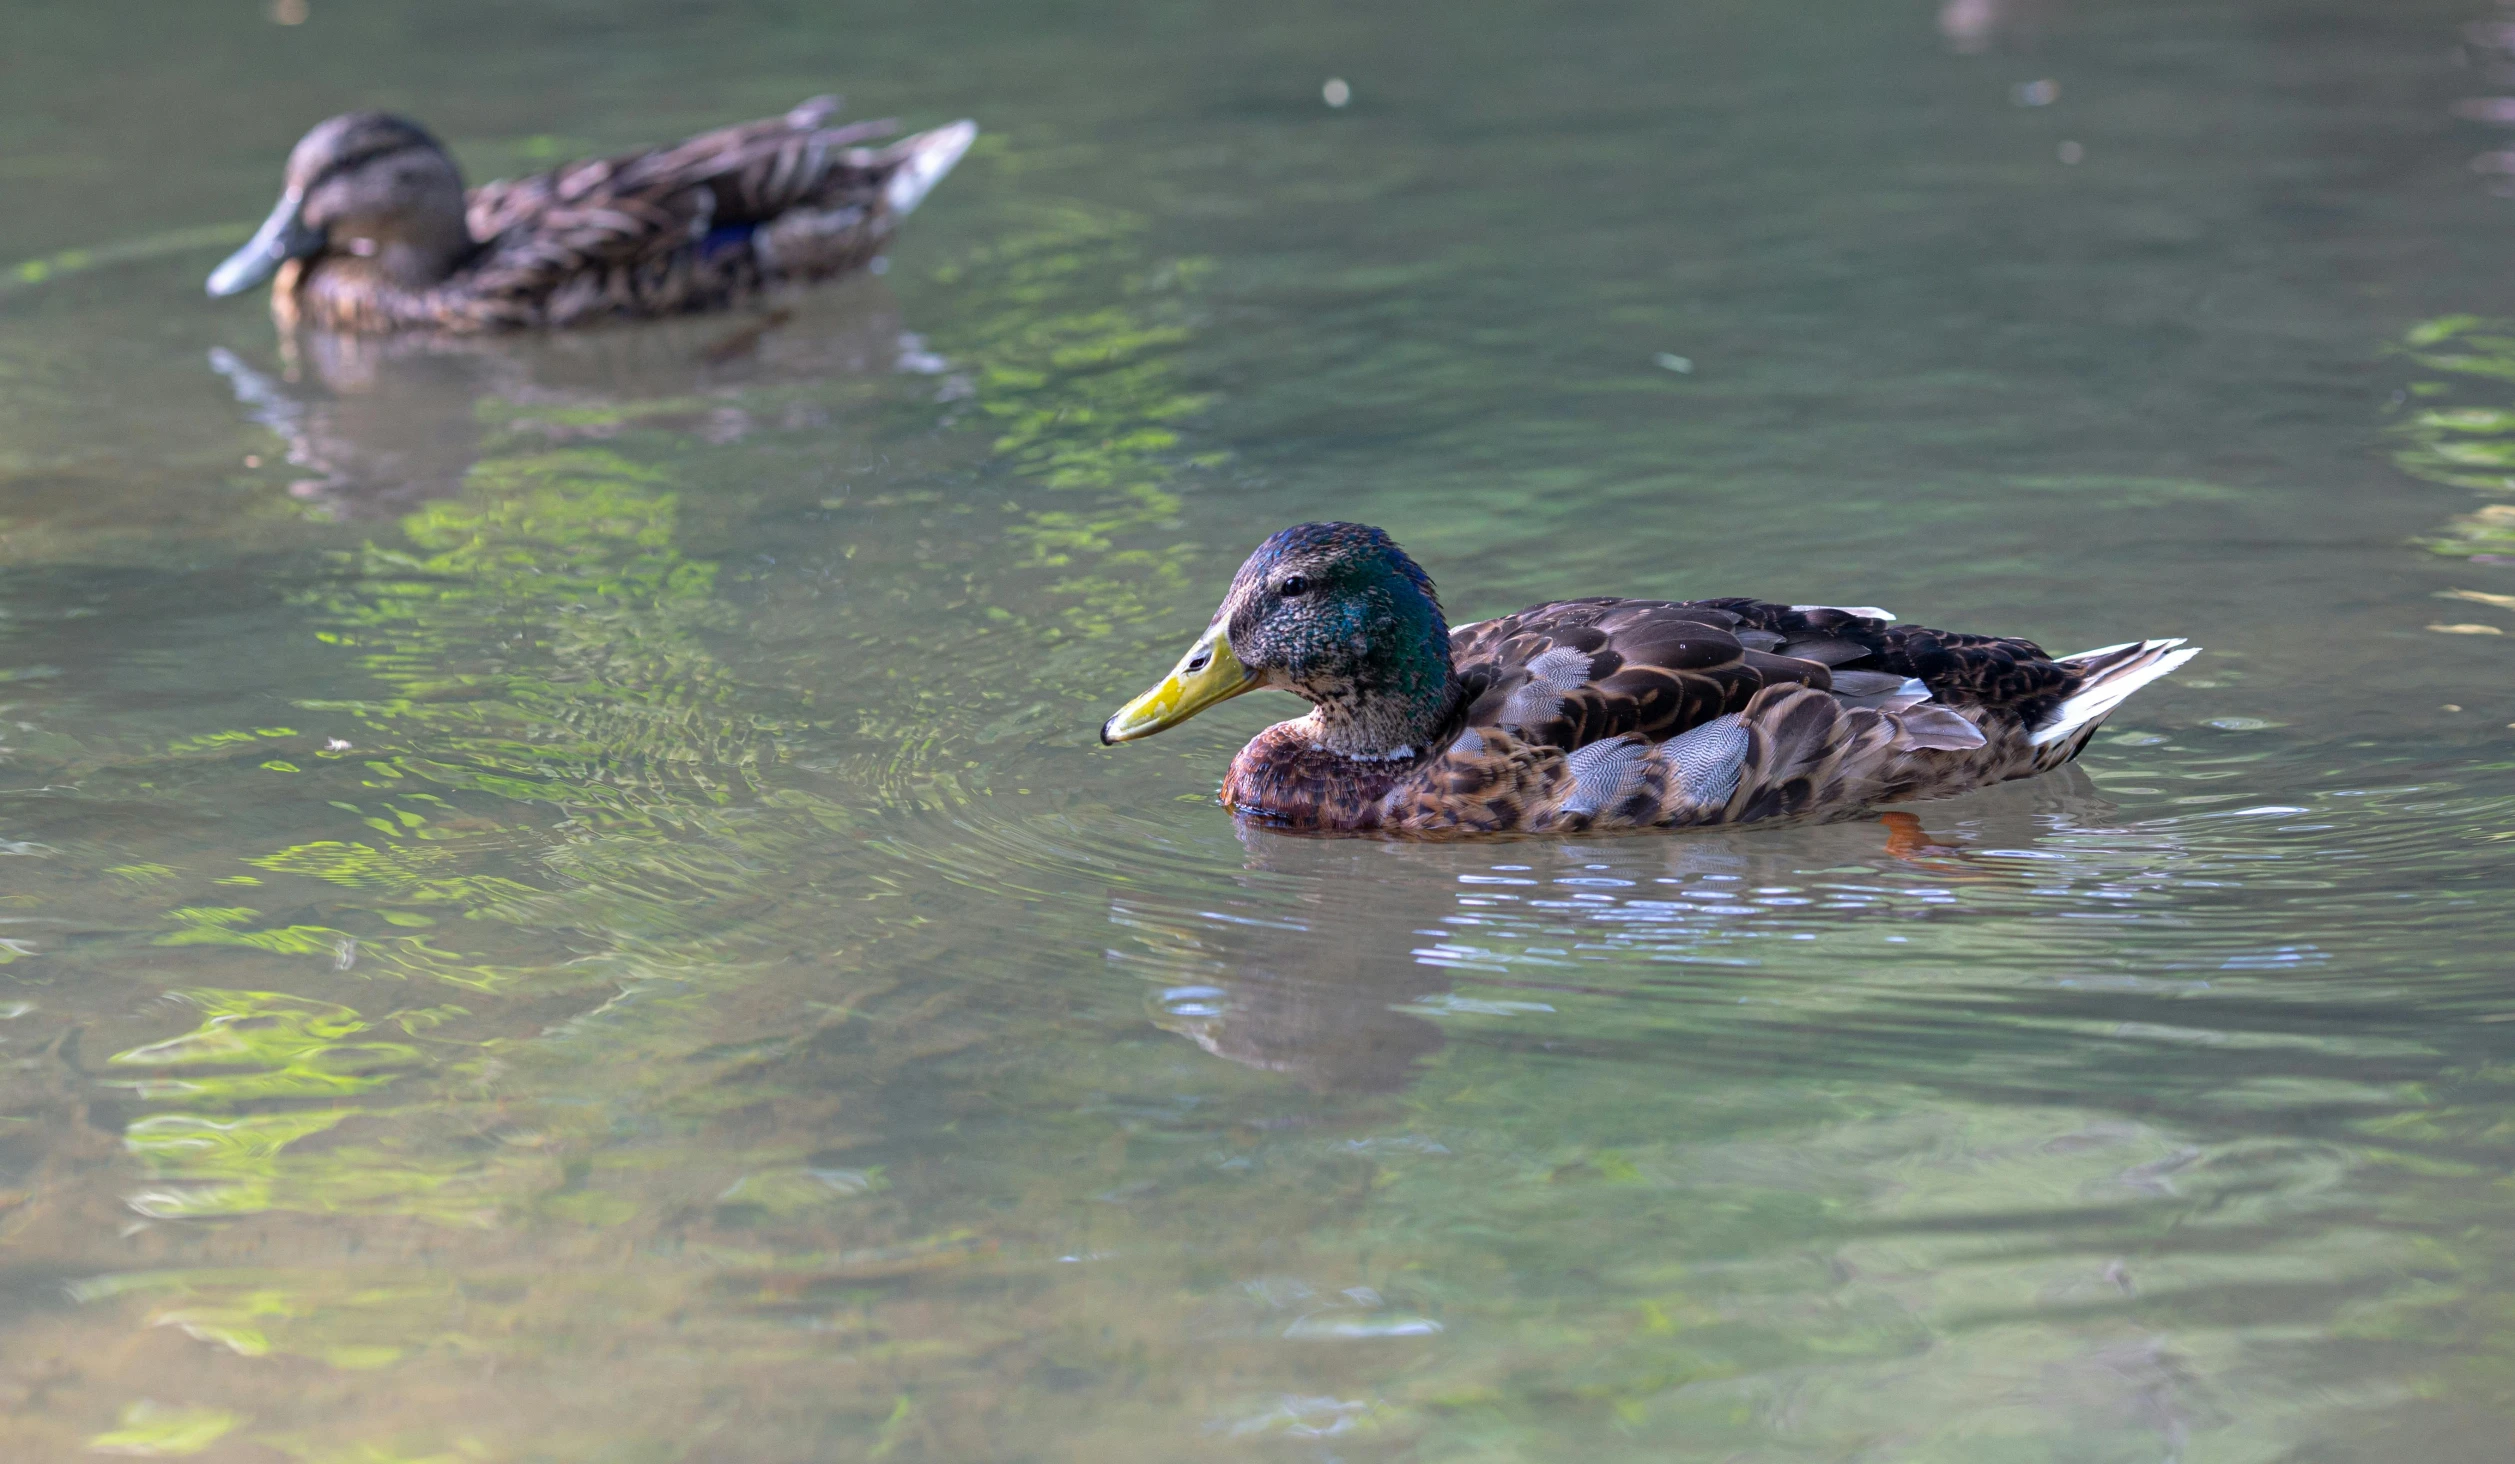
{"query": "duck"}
[(1608, 713), (374, 231)]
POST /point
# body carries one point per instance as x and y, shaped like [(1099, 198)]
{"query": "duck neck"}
[(1391, 708), (419, 262), (419, 254), (413, 246)]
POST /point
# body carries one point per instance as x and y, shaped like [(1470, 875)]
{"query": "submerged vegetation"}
[(558, 902), (2451, 438), (539, 959)]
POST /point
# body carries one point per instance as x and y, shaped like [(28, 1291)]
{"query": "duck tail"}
[(923, 160), (2106, 678)]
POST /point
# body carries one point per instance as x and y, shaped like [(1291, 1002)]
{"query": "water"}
[(562, 902)]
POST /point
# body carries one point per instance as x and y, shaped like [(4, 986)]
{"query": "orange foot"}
[(1907, 839)]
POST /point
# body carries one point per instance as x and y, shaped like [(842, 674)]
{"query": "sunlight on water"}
[(559, 898)]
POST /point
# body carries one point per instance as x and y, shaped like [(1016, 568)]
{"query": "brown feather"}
[(630, 235), (1577, 715)]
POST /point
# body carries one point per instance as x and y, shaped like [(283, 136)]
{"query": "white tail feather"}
[(2136, 663), (930, 156)]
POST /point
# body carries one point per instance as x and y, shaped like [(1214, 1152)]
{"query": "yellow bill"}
[(1207, 674)]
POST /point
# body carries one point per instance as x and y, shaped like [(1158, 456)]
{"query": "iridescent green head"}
[(1337, 615)]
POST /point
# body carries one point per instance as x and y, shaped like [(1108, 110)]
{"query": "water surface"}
[(561, 900)]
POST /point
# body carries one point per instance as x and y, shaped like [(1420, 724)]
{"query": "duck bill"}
[(282, 237), (1207, 674)]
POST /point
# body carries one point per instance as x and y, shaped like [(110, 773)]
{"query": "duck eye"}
[(1293, 585)]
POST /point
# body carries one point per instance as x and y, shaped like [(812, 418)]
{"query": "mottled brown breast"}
[(1291, 782)]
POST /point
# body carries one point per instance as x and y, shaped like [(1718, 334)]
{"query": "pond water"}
[(559, 899)]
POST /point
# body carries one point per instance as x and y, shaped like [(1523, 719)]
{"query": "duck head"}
[(364, 185), (1335, 614)]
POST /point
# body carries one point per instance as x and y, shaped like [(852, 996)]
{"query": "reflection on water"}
[(1663, 1258), (380, 423), (2456, 433), (558, 899), (538, 807), (1278, 974)]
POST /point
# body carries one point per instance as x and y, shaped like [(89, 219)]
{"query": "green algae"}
[(161, 1431), (772, 1079), (1084, 400), (551, 755)]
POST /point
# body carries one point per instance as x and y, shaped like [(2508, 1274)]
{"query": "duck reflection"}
[(1334, 961), (378, 424), (1310, 972)]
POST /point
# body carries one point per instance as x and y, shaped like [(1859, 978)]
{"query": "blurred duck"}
[(374, 231), (1608, 713)]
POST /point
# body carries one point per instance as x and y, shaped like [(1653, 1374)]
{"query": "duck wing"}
[(742, 174), (694, 224), (1995, 673), (1613, 713), (1574, 672)]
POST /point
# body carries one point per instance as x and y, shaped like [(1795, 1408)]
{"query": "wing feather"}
[(1604, 713), (1574, 672), (692, 225)]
